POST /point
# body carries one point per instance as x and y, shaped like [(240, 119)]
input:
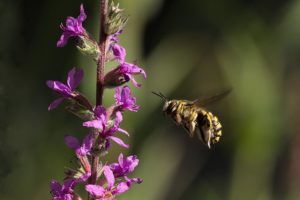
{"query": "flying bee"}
[(195, 119)]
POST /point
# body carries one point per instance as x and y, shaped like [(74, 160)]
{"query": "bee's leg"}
[(209, 138), (186, 127), (191, 128), (178, 119)]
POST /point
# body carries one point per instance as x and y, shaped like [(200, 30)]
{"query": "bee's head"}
[(166, 106)]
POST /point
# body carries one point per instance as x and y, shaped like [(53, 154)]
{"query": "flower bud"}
[(88, 47), (80, 111), (116, 20)]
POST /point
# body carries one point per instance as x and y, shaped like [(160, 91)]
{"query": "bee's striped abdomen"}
[(209, 127)]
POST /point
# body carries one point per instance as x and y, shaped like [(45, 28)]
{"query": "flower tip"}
[(72, 142), (50, 83), (82, 8), (143, 73), (63, 39), (75, 76), (55, 103), (59, 44), (82, 16), (54, 185), (93, 124), (139, 180), (50, 108)]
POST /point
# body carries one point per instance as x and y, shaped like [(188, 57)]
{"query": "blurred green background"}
[(189, 49)]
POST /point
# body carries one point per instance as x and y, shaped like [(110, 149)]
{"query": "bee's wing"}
[(188, 102), (211, 99)]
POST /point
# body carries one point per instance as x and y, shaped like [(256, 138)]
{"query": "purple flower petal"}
[(63, 40), (94, 124), (120, 159), (100, 112), (86, 145), (119, 141), (95, 190), (117, 95), (100, 121), (123, 131), (125, 100), (85, 177), (66, 91), (72, 142), (109, 176), (118, 118), (71, 25), (124, 166), (60, 88), (131, 163), (88, 141), (121, 188), (67, 197), (80, 150), (55, 103), (114, 37), (55, 186), (69, 185), (64, 192), (74, 78), (126, 93), (132, 69), (82, 15), (135, 83), (133, 180), (119, 52)]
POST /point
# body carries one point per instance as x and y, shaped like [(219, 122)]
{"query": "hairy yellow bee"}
[(195, 119)]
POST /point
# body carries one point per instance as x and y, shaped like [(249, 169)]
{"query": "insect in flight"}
[(195, 119)]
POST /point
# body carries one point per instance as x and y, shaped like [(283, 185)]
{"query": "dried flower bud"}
[(116, 20), (115, 78)]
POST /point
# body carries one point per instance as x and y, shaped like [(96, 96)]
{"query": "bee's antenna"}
[(160, 95)]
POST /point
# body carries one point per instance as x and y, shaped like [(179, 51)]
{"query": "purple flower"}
[(83, 149), (124, 100), (62, 192), (102, 123), (129, 70), (126, 69), (73, 28), (124, 166), (108, 134), (110, 191), (66, 91), (100, 119), (116, 127)]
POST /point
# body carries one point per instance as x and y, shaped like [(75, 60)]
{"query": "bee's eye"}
[(165, 106)]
